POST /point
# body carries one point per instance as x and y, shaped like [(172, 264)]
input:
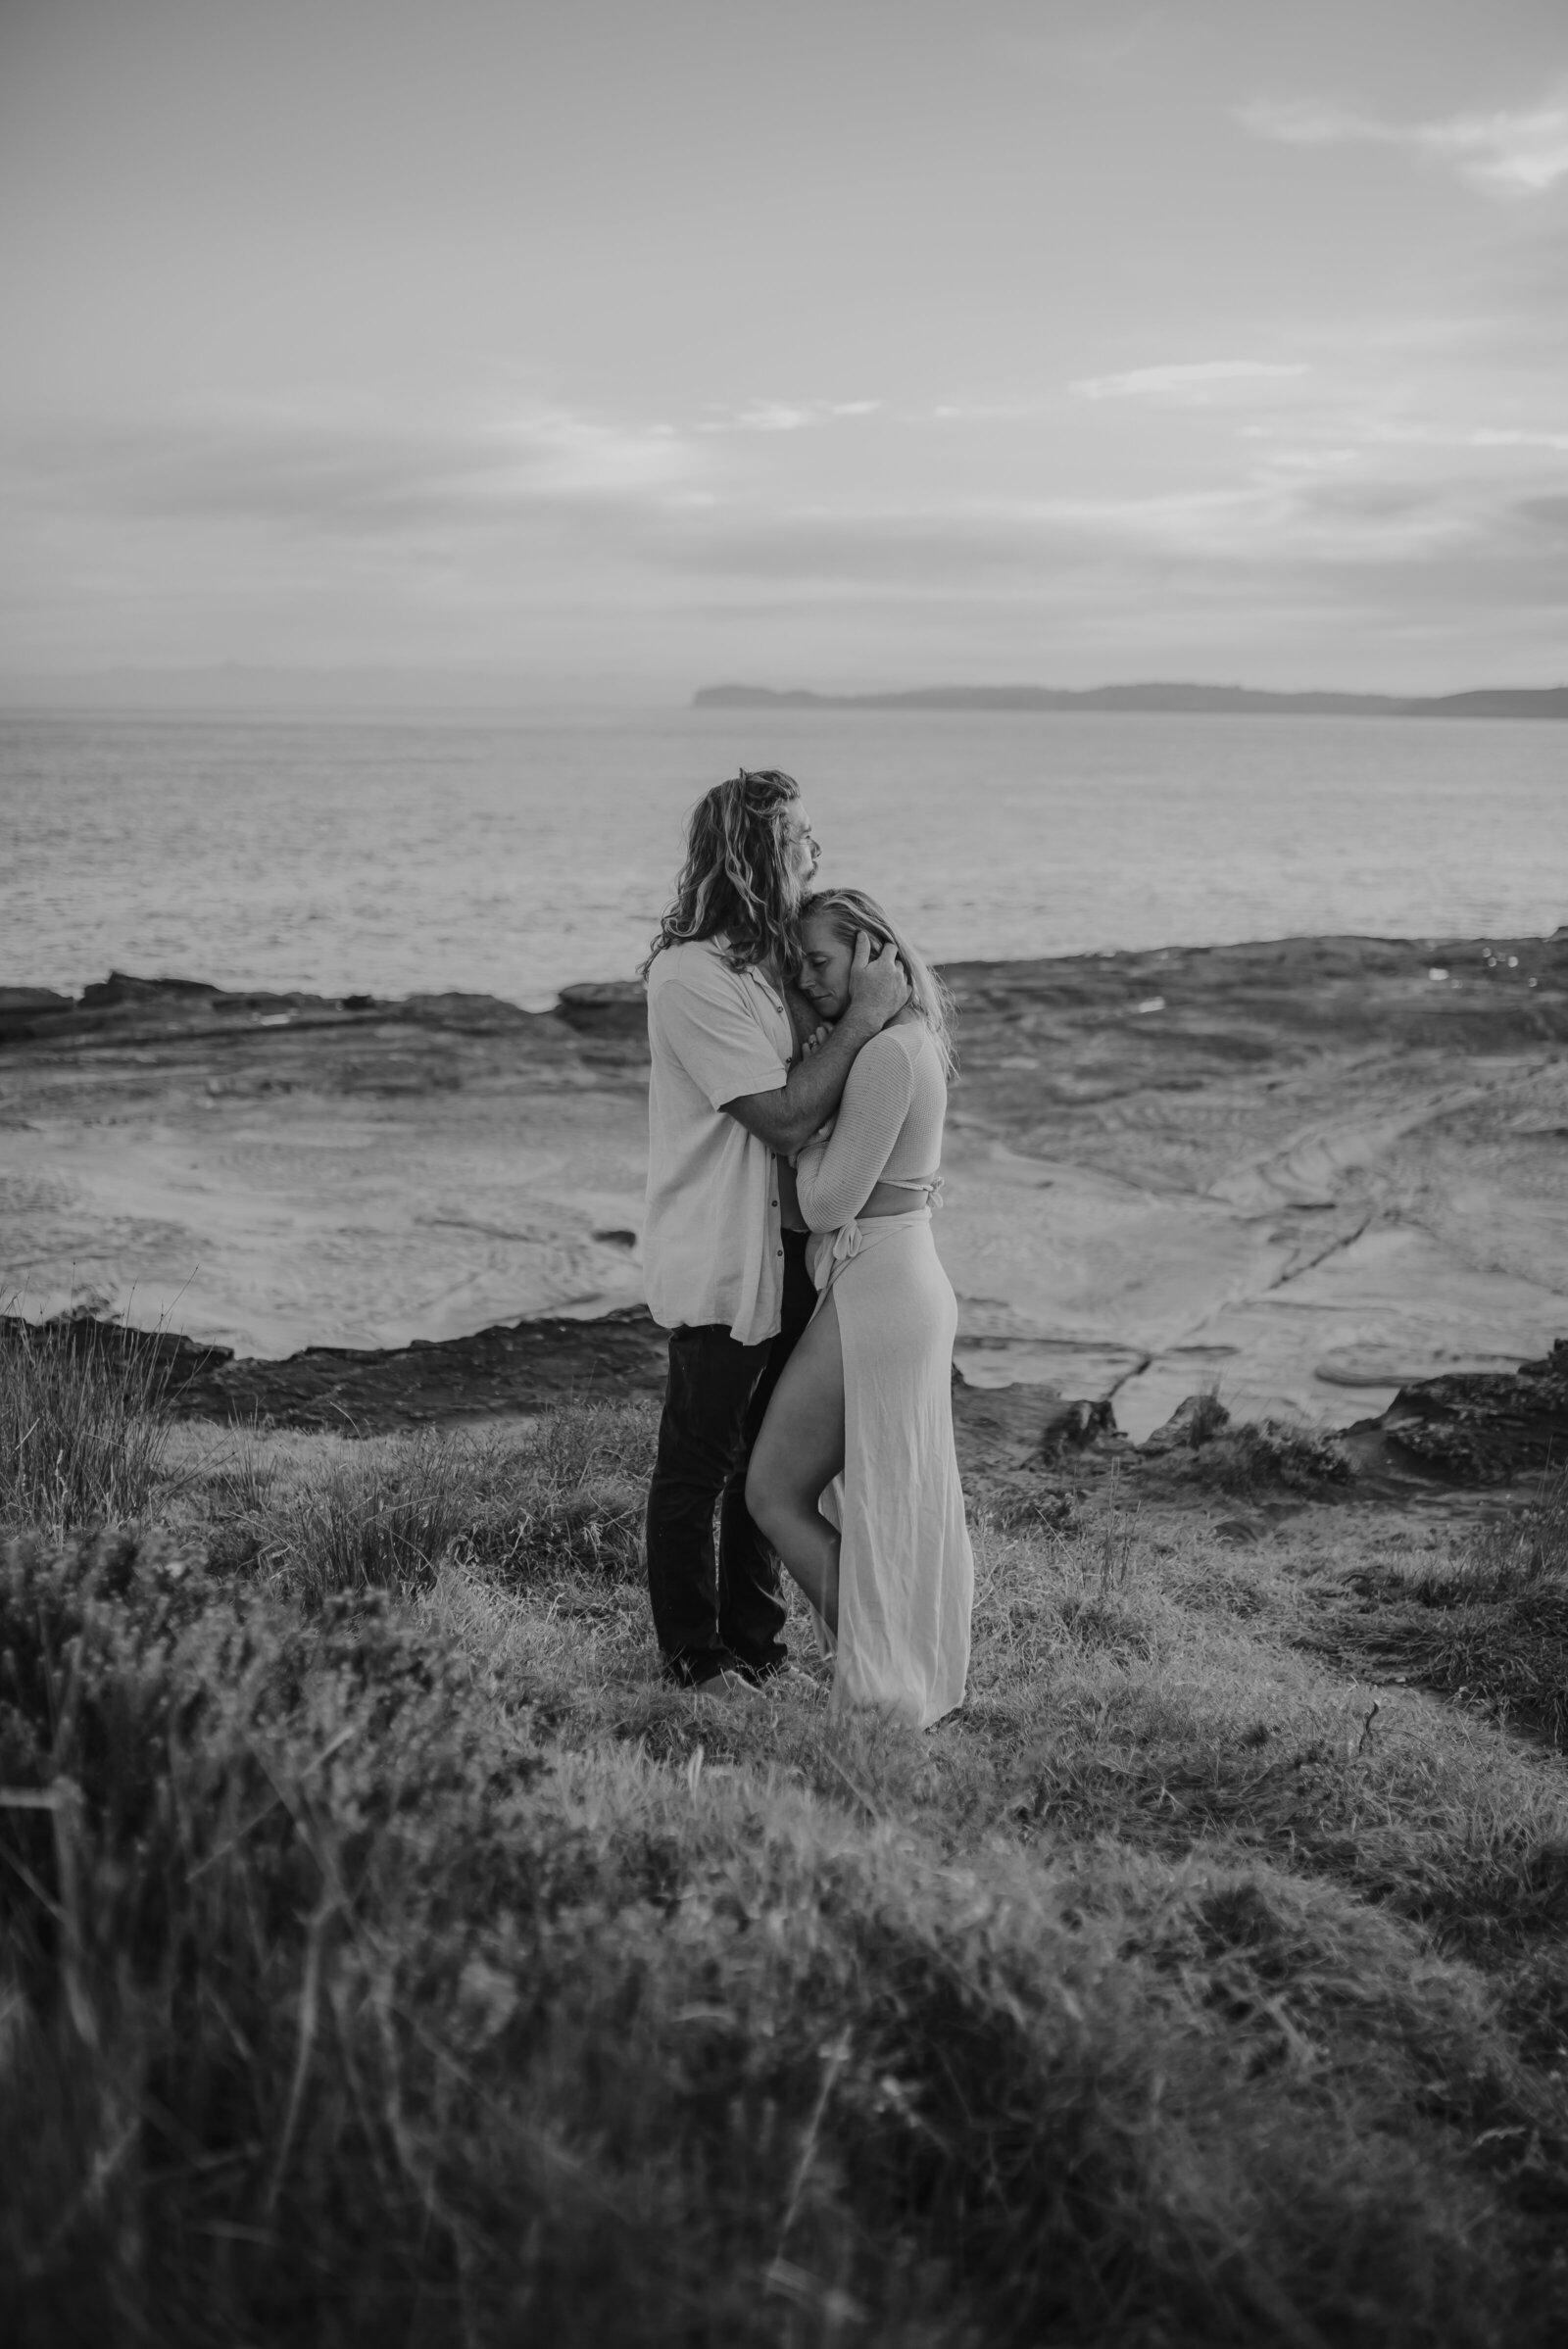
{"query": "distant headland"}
[(1163, 700)]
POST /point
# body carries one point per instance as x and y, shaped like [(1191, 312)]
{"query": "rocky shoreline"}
[(1321, 1175), (1031, 1454)]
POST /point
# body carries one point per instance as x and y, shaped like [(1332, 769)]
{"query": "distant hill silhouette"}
[(1206, 700)]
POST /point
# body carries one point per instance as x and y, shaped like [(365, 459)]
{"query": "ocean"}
[(512, 858)]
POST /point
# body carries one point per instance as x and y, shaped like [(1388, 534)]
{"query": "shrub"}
[(1256, 1456), (213, 1822), (1207, 1418), (1250, 1457)]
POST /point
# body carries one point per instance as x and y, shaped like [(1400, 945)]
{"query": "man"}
[(724, 1242)]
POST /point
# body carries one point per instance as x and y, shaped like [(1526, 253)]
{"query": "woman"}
[(864, 1404)]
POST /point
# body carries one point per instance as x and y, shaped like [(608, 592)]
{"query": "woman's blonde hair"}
[(850, 910), (736, 877)]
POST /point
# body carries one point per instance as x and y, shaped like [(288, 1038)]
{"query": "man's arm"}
[(789, 1115)]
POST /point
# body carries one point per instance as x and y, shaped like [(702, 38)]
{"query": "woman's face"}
[(825, 961)]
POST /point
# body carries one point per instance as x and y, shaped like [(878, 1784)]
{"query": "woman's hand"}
[(808, 1036)]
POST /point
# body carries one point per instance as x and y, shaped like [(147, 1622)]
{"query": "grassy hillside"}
[(389, 1955)]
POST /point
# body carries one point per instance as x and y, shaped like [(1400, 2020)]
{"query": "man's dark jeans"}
[(711, 1612)]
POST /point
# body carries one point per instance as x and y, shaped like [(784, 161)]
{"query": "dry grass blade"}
[(310, 2009), (836, 2054)]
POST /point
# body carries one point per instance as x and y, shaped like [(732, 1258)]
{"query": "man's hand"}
[(879, 989), (879, 985)]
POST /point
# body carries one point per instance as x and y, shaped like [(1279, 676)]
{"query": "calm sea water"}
[(512, 858)]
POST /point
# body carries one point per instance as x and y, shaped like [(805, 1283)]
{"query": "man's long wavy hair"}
[(735, 881), (850, 910)]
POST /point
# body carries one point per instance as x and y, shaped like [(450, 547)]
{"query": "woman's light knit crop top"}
[(888, 1129)]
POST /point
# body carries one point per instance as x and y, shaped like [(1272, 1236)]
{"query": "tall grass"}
[(387, 1953), (340, 2011), (82, 1435), (384, 1515), (1524, 1549)]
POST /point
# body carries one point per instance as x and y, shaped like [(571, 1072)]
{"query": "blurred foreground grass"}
[(389, 1955)]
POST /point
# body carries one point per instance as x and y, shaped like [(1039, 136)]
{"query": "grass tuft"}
[(81, 1436), (385, 1514), (1489, 1623)]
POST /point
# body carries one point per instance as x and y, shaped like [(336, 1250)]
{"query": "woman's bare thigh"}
[(800, 1448)]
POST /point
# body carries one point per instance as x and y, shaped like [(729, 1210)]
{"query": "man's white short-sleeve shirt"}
[(711, 1243)]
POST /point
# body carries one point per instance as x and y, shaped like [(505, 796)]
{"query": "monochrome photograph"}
[(784, 1174)]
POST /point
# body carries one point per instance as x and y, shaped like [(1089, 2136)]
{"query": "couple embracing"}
[(795, 1103)]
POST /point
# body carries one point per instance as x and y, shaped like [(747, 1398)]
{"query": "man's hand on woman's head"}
[(786, 1118), (879, 985)]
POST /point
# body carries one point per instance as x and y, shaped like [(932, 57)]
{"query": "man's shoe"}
[(730, 1686)]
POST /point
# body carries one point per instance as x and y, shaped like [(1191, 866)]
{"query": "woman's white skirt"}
[(905, 1568)]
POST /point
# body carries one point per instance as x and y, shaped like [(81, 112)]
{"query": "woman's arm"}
[(835, 1178)]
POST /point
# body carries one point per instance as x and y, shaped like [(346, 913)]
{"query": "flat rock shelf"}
[(1304, 1174)]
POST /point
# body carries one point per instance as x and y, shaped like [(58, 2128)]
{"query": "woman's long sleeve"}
[(835, 1178)]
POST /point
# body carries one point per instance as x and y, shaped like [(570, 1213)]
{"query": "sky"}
[(627, 346)]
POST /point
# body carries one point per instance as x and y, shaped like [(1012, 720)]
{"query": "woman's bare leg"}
[(797, 1455)]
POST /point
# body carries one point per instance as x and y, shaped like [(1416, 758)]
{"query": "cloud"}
[(328, 528), (357, 475), (1475, 436), (978, 411), (1519, 154), (554, 450), (1191, 380), (785, 416), (902, 555), (1354, 433), (1350, 496), (1010, 545)]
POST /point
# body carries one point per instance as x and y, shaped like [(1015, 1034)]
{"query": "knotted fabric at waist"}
[(830, 1252)]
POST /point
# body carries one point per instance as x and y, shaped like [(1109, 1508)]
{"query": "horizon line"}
[(1156, 698)]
